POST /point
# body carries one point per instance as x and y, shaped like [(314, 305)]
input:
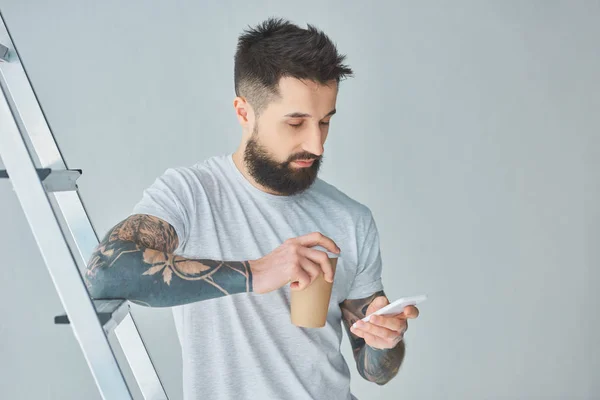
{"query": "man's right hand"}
[(294, 261)]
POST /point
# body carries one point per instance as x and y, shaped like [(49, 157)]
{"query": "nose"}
[(314, 142)]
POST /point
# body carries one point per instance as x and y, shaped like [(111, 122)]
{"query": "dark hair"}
[(277, 48)]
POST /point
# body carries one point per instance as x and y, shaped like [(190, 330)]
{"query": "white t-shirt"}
[(244, 346)]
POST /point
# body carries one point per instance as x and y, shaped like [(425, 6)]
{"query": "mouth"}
[(303, 163)]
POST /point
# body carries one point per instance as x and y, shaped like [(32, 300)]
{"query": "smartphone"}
[(397, 306)]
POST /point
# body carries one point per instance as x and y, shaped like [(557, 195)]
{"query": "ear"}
[(243, 112)]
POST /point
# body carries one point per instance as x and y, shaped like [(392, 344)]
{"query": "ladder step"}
[(42, 173), (110, 313), (3, 53), (54, 180)]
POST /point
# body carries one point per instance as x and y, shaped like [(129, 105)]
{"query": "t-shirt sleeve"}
[(169, 198), (368, 276)]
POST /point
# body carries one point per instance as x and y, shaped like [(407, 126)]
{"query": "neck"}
[(238, 160)]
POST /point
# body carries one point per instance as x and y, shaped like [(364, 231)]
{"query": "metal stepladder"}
[(47, 191)]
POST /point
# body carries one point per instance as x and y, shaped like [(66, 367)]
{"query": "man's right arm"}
[(135, 261)]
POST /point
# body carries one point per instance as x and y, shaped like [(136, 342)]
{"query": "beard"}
[(277, 176)]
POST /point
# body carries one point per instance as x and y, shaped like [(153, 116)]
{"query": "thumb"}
[(377, 303)]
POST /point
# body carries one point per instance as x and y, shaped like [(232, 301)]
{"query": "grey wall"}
[(471, 130)]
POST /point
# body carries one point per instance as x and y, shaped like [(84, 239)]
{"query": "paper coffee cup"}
[(309, 307)]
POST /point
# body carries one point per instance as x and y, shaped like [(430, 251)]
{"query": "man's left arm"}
[(377, 345)]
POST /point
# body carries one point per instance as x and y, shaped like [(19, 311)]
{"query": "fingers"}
[(380, 302), (303, 247), (382, 331), (374, 341), (318, 239), (410, 312), (305, 273), (313, 270), (377, 303), (321, 259), (376, 336), (395, 324), (300, 279)]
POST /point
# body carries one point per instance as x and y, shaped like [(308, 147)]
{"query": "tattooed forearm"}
[(378, 366), (135, 261)]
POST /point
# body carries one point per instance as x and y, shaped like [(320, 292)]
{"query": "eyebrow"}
[(304, 115)]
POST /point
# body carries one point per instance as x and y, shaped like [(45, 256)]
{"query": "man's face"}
[(286, 148)]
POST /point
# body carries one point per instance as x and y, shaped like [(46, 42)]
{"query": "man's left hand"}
[(384, 331)]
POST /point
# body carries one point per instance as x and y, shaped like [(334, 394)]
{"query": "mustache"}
[(303, 156)]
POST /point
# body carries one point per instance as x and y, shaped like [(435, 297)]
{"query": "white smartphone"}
[(397, 306)]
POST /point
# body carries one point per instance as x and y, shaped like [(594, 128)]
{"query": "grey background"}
[(471, 130)]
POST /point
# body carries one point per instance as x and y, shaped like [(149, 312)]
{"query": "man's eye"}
[(300, 124)]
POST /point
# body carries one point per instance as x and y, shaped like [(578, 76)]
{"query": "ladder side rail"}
[(59, 259), (29, 111), (14, 77), (141, 365)]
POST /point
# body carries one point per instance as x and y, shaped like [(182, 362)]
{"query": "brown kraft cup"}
[(309, 306)]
